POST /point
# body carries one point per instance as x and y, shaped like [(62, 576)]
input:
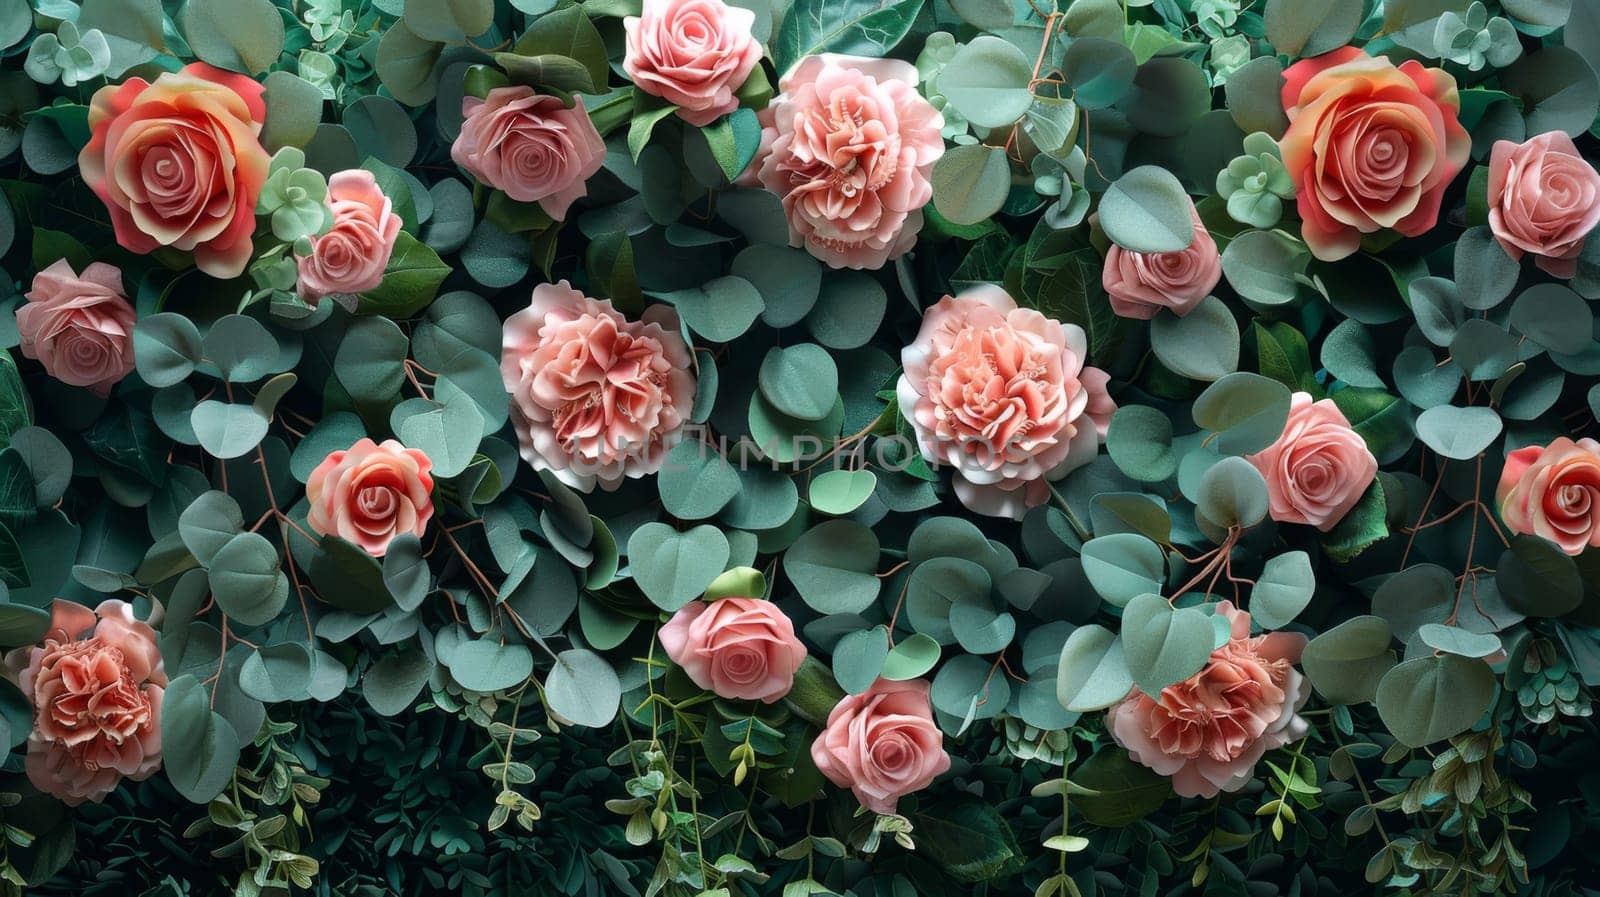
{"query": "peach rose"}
[(1553, 493), (79, 326), (738, 648), (178, 163), (530, 146), (691, 53), (595, 397), (848, 145), (1208, 731), (371, 493), (351, 256), (95, 684), (1544, 199), (1001, 394), (882, 744), (1318, 468), (1370, 146), (1143, 283)]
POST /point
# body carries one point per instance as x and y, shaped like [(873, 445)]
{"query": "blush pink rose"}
[(1141, 284), (79, 326), (1318, 468), (1370, 146), (371, 493), (95, 684), (1208, 732), (351, 256), (882, 744), (530, 146), (595, 397), (691, 53), (178, 163), (1002, 395), (1553, 492), (1543, 199), (737, 648), (848, 145)]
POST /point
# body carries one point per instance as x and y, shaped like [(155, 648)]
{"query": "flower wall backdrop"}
[(799, 447)]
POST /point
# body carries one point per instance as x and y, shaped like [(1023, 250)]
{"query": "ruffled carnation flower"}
[(737, 648), (371, 493), (79, 326), (691, 53), (352, 255), (1544, 199), (1318, 468), (595, 397), (1553, 492), (1002, 395), (882, 744), (178, 163), (95, 684), (1140, 284), (1370, 146), (849, 145), (1208, 732), (532, 147)]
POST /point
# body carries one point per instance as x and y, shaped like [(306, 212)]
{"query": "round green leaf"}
[(1429, 699), (674, 568), (1458, 433), (1147, 210), (858, 658), (1202, 345), (1123, 566), (1163, 645), (971, 183), (246, 579), (800, 381), (834, 567), (583, 689), (1093, 673), (987, 82)]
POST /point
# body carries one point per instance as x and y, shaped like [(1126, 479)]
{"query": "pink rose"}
[(178, 163), (351, 256), (1544, 199), (882, 744), (1318, 468), (79, 326), (95, 684), (1001, 394), (1208, 731), (1370, 146), (371, 493), (1142, 283), (691, 53), (738, 648), (1553, 493), (848, 145), (595, 397), (530, 146)]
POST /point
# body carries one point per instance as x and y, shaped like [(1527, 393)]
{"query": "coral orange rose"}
[(1370, 146), (738, 648), (691, 53), (1318, 468), (882, 744), (1544, 198), (178, 163), (371, 493), (1553, 492)]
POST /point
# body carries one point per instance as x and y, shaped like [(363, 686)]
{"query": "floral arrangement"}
[(858, 447)]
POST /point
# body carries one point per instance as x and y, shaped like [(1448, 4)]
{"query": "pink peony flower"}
[(1141, 284), (1370, 146), (530, 146), (1318, 468), (96, 684), (1553, 492), (79, 326), (1001, 394), (848, 145), (351, 256), (882, 744), (178, 163), (371, 493), (691, 53), (1544, 199), (738, 648), (595, 397), (1209, 731)]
